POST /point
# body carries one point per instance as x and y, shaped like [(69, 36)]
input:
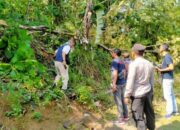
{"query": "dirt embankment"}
[(55, 116), (61, 116)]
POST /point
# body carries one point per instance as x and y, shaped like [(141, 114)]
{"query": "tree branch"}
[(104, 47), (87, 21), (43, 28)]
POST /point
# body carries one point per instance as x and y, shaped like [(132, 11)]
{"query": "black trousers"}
[(143, 112)]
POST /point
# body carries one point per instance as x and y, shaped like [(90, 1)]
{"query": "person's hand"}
[(64, 62), (65, 65), (114, 88), (158, 69), (126, 100)]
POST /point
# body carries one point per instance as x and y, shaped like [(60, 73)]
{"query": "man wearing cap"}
[(118, 74), (62, 62), (139, 89), (167, 81)]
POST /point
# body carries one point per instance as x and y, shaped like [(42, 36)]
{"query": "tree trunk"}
[(87, 21)]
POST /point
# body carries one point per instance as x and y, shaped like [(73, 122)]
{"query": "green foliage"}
[(37, 116), (17, 97), (13, 98), (100, 24), (105, 98), (27, 76), (141, 21), (26, 12), (21, 58), (84, 95), (22, 68), (90, 74), (15, 111)]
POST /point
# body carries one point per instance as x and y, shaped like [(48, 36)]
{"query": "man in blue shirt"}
[(167, 81), (62, 62), (118, 75)]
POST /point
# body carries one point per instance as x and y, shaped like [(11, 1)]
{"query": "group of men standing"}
[(132, 80), (136, 84), (137, 87)]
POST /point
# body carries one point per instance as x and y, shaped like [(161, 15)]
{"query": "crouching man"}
[(62, 62)]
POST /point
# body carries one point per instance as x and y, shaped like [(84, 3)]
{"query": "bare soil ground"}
[(73, 117)]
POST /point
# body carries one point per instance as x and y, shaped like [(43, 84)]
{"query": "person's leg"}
[(138, 113), (58, 74), (64, 74), (66, 79), (125, 108), (175, 108), (168, 95), (118, 101), (149, 112)]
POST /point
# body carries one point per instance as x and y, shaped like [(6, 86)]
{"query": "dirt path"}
[(161, 122), (58, 116)]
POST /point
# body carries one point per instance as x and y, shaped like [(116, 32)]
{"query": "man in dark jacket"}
[(62, 62)]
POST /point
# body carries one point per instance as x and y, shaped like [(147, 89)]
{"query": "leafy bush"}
[(37, 116), (90, 74), (84, 95), (13, 98), (27, 79)]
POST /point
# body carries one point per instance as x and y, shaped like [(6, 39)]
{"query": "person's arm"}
[(170, 64), (64, 58), (114, 75), (65, 51), (114, 80), (169, 68), (130, 82), (55, 52), (152, 78), (124, 71)]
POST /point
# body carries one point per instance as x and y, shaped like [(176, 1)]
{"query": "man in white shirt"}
[(139, 88), (62, 62)]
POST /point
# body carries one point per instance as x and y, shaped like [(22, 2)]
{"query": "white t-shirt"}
[(66, 49)]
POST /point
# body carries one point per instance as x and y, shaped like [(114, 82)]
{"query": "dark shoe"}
[(126, 118), (176, 114)]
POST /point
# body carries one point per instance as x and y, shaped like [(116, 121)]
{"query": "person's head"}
[(72, 42), (164, 48), (138, 50), (116, 53), (126, 54)]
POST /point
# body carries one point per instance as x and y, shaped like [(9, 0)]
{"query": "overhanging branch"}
[(43, 28)]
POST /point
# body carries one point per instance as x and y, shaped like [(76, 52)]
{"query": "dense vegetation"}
[(26, 54)]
